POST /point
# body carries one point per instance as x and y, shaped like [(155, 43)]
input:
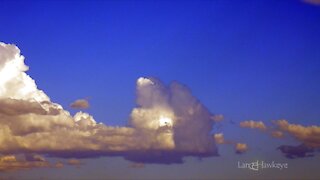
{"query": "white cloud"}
[(308, 135), (14, 82), (253, 125), (168, 120)]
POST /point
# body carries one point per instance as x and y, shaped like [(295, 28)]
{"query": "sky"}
[(228, 81)]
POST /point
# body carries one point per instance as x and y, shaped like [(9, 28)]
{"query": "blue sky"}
[(249, 60)]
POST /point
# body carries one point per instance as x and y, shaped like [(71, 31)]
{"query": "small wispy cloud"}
[(277, 134), (253, 125), (80, 104), (312, 2), (241, 148), (137, 165)]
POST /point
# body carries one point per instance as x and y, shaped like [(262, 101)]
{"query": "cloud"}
[(59, 164), (74, 162), (308, 135), (219, 139), (217, 118), (80, 104), (263, 128), (277, 134), (253, 125), (14, 82), (16, 107), (13, 162), (34, 157), (168, 123), (137, 165), (312, 2), (293, 152), (241, 148)]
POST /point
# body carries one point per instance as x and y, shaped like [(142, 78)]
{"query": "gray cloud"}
[(293, 152)]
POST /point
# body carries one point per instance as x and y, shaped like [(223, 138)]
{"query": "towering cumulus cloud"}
[(174, 121), (167, 124), (14, 82)]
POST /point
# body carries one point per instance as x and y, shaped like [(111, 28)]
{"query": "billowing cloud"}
[(253, 125), (241, 148), (80, 104), (14, 82), (308, 135), (168, 123)]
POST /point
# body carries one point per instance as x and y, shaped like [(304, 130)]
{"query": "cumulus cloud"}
[(174, 121), (15, 107), (273, 132), (29, 161), (241, 148), (308, 135), (14, 82), (253, 125), (168, 123), (80, 104)]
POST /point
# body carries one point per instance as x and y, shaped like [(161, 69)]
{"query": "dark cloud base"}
[(293, 152)]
